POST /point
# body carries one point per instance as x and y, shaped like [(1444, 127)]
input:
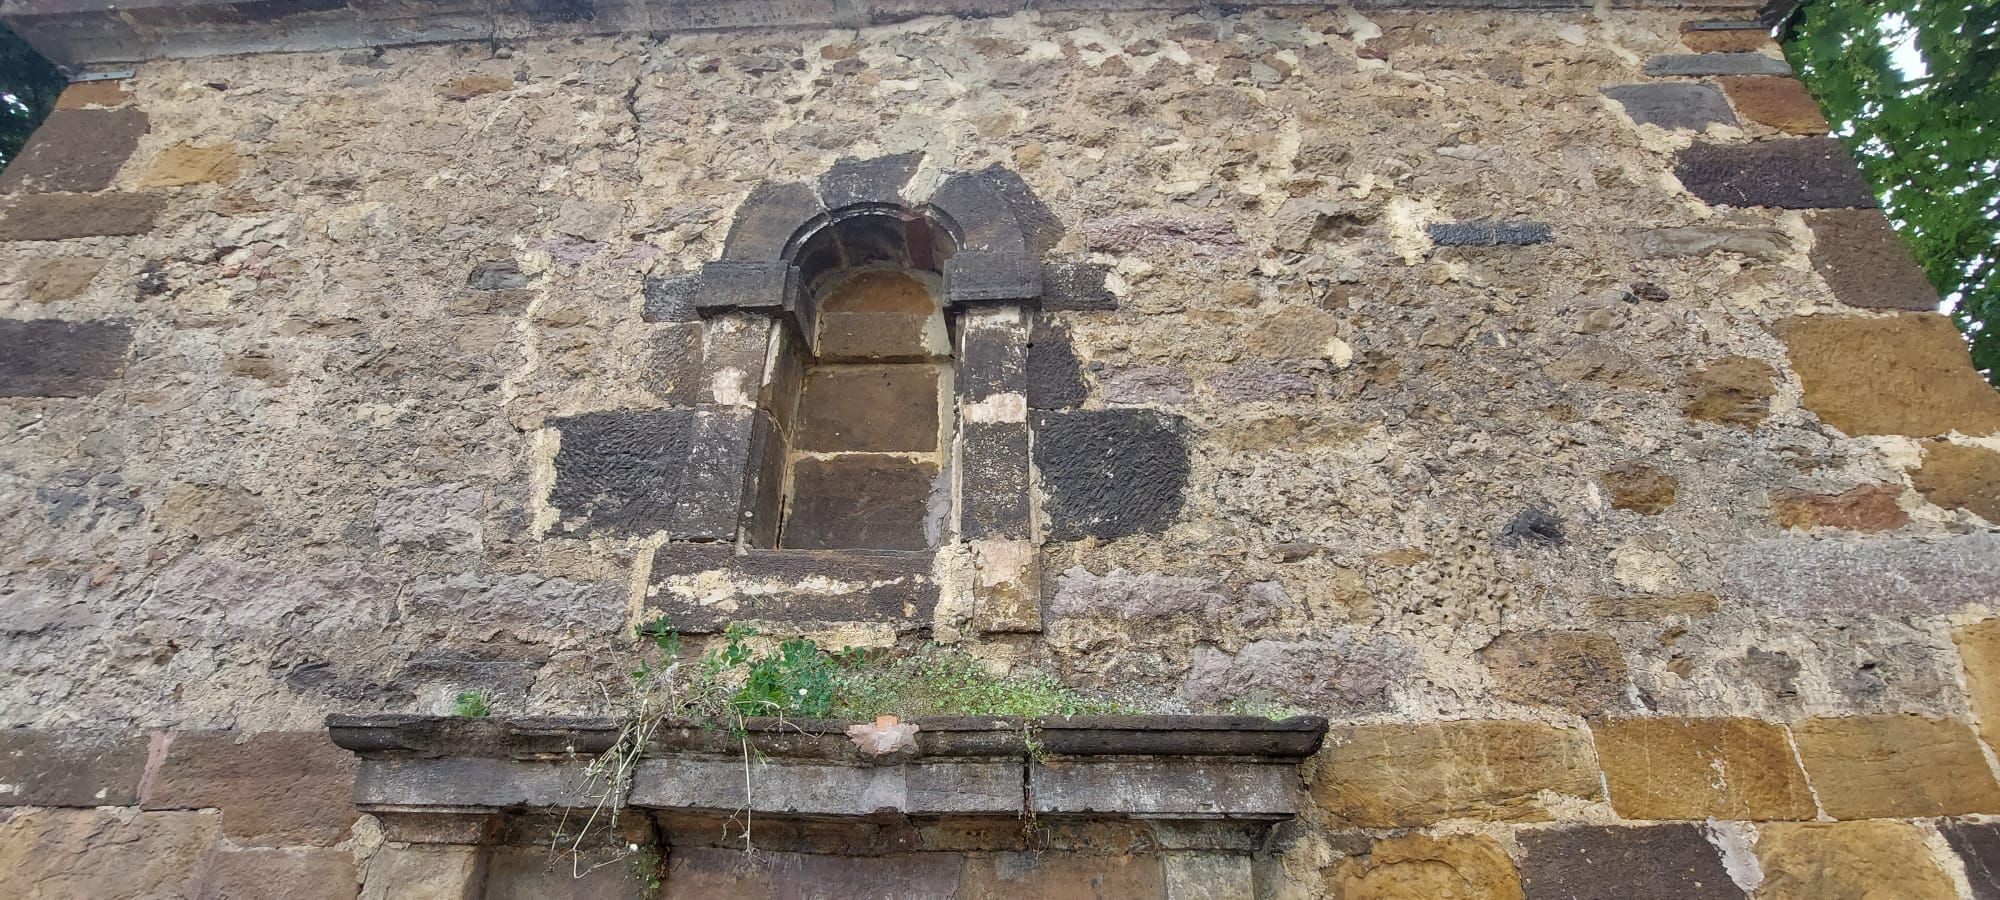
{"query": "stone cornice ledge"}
[(85, 34)]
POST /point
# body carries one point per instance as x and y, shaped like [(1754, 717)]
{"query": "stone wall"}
[(1533, 393)]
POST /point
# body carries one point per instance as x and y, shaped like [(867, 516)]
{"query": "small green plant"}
[(471, 703), (947, 681), (646, 864)]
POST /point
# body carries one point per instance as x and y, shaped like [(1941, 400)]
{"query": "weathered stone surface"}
[(206, 511), (1253, 382), (1055, 380), (1006, 587), (993, 481), (1668, 768), (1865, 507), (75, 150), (1164, 787), (1907, 374), (274, 788), (622, 471), (1848, 861), (1639, 488), (863, 502), (1960, 476), (101, 853), (470, 86), (533, 873), (1337, 674), (1580, 671), (880, 180), (798, 788), (704, 587), (993, 357), (1866, 263), (1648, 861), (1880, 576), (70, 768), (59, 217), (768, 218), (295, 874), (1110, 473), (506, 275), (446, 517), (1146, 384), (1979, 652), (55, 358), (1673, 105), (184, 164), (1978, 847), (1421, 867), (1866, 767), (1798, 173), (701, 873), (1731, 391), (60, 278), (1402, 776), (1692, 64), (1157, 234), (424, 873), (1782, 103), (1698, 240), (106, 94), (1489, 234), (671, 298), (875, 408), (1726, 37), (998, 211), (1071, 285), (1653, 607)]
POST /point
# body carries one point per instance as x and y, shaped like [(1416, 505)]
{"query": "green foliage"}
[(1929, 141), (28, 89), (938, 681), (471, 703)]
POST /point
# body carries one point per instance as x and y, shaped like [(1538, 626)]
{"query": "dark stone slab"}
[(896, 587), (767, 220), (1673, 105), (1039, 224), (1110, 473), (1866, 264), (993, 481), (1293, 738), (76, 150), (1798, 173), (55, 358), (984, 218), (71, 767), (1055, 380), (503, 275), (1692, 64), (729, 286), (671, 298), (719, 474), (1535, 525), (1489, 234), (59, 217), (472, 781), (640, 472), (673, 358), (1592, 863), (1978, 845), (860, 501), (873, 408), (879, 180), (992, 359), (1073, 285), (978, 276), (1166, 787)]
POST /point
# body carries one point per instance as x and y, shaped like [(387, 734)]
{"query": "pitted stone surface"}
[(1644, 861), (1489, 234), (705, 587), (54, 358), (1694, 106), (1866, 263), (1799, 173), (1055, 380), (1071, 285), (1342, 674), (1110, 473), (622, 471)]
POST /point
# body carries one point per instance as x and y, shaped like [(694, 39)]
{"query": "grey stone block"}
[(710, 504), (1673, 105), (1648, 861), (671, 298), (1695, 64), (1110, 473), (1489, 234), (473, 781), (889, 586), (727, 286), (1073, 285), (1798, 173), (880, 180), (1167, 787), (767, 220), (992, 358), (55, 358), (993, 482), (1055, 380), (978, 276), (1812, 579), (812, 789)]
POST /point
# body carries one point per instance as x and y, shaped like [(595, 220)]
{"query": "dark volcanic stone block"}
[(992, 359), (767, 287), (1646, 861), (71, 768), (1799, 173), (993, 483), (975, 276), (670, 298), (860, 501), (1055, 381), (710, 505), (76, 150), (59, 217), (1688, 64), (984, 219), (1110, 473), (1866, 263), (767, 220), (831, 586), (1489, 234), (1071, 285), (54, 358), (1673, 105), (622, 471), (878, 180), (874, 408), (1978, 844)]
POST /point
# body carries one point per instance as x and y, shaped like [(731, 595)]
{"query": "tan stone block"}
[(274, 788), (184, 164), (1782, 103), (103, 853), (1905, 374), (1639, 488), (61, 278), (423, 873), (1979, 652), (1420, 867), (1731, 391), (1956, 476), (1666, 769), (1062, 876), (1866, 507), (1007, 587), (1866, 767), (1392, 776), (1730, 40), (107, 94), (293, 874), (1580, 671), (1849, 861), (471, 86)]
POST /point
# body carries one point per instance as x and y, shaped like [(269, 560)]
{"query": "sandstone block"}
[(1698, 240), (1799, 173), (860, 502), (103, 853), (1869, 577), (1198, 875), (75, 150), (59, 217), (1639, 488), (1690, 64), (1866, 767), (1782, 103), (184, 164), (49, 280), (1421, 867), (70, 768), (1110, 473), (1579, 671), (470, 86), (1673, 105), (1337, 674), (1186, 788), (1959, 476), (94, 94), (1664, 769), (1908, 374), (1732, 390), (1848, 861), (423, 873), (883, 408), (1063, 875), (274, 788), (1866, 263), (55, 358), (1006, 587), (294, 874), (1979, 653), (1591, 863), (1401, 776), (1720, 37), (1866, 507)]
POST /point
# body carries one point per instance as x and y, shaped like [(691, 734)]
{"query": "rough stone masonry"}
[(1534, 392)]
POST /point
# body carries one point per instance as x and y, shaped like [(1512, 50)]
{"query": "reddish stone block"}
[(1782, 103), (1724, 40), (1655, 861), (67, 768), (274, 788), (293, 874)]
